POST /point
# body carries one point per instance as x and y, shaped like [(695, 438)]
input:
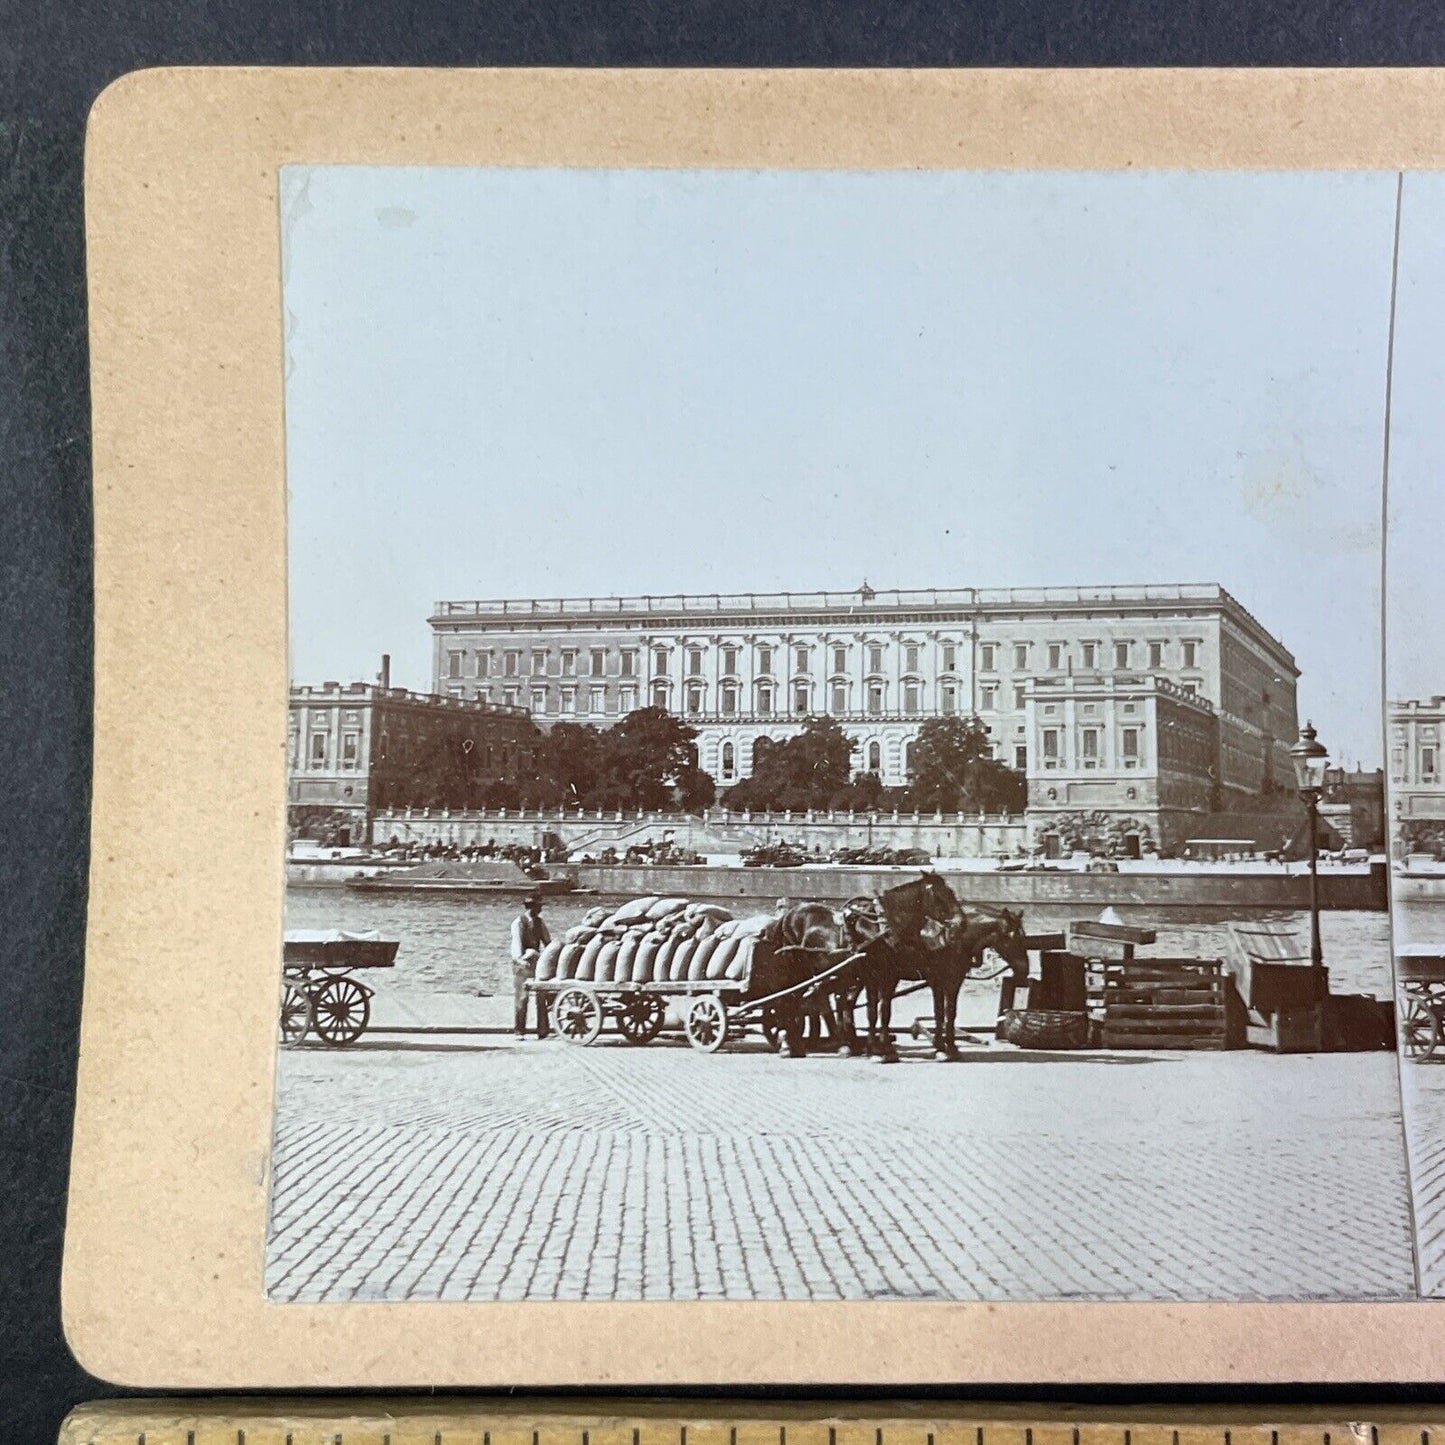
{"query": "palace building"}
[(353, 750), (1417, 774), (740, 667)]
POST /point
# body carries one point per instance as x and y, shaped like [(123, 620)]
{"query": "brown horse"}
[(967, 943), (807, 939), (905, 939)]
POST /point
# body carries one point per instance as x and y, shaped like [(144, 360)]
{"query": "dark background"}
[(55, 58)]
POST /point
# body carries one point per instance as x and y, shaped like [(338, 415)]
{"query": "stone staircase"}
[(685, 832)]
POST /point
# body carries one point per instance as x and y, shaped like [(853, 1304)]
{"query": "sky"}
[(517, 383), (1415, 636)]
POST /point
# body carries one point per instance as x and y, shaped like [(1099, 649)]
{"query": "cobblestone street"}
[(1424, 1085), (468, 1168)]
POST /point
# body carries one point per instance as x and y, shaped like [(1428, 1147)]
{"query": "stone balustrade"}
[(718, 830)]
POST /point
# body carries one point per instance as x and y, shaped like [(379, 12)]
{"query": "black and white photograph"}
[(837, 745)]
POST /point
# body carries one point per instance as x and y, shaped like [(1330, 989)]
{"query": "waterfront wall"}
[(1355, 891), (943, 835)]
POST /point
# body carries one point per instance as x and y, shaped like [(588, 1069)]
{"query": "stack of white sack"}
[(654, 940)]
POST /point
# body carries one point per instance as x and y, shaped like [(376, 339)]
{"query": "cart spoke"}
[(707, 1023), (641, 1018), (296, 1013), (577, 1015), (341, 1011)]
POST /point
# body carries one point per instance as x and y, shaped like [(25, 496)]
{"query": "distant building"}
[(1354, 803), (355, 749), (1417, 784), (742, 667)]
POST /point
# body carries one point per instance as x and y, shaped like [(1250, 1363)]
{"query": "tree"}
[(954, 770), (696, 791), (571, 764), (649, 761), (810, 770)]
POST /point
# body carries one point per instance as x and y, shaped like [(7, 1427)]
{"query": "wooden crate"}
[(1166, 1003), (1274, 971)]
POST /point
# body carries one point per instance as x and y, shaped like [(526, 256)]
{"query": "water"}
[(450, 944), (460, 945), (1420, 921)]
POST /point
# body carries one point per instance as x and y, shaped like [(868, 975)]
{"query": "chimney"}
[(385, 670)]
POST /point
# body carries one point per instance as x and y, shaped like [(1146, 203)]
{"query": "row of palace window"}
[(1427, 758), (396, 750), (595, 700), (1093, 656), (768, 698), (1090, 748), (572, 662), (319, 750), (592, 662)]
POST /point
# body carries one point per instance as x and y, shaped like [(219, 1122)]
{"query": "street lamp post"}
[(1310, 758)]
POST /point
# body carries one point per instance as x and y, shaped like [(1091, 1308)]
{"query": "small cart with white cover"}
[(1420, 972), (319, 994)]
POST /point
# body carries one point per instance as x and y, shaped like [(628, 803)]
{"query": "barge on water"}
[(494, 880)]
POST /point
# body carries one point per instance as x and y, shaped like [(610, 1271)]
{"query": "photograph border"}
[(165, 1236)]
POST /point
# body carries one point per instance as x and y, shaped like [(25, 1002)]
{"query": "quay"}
[(1357, 890), (1345, 889)]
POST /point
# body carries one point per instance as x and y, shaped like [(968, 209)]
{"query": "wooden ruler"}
[(403, 1421)]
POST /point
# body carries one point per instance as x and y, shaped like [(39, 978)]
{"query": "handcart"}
[(318, 993), (1420, 974)]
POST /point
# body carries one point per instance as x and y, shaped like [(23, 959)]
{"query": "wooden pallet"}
[(1165, 1003)]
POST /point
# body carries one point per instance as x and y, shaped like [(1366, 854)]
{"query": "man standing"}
[(529, 938)]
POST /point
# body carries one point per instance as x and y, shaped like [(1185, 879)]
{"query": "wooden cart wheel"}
[(1420, 1030), (706, 1024), (577, 1015), (341, 1010), (641, 1018), (296, 1019)]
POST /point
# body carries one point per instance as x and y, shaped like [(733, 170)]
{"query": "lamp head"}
[(1310, 758)]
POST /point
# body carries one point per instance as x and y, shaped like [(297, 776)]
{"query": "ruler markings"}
[(247, 1423)]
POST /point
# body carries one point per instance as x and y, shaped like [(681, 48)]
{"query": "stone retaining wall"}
[(942, 835), (1363, 890)]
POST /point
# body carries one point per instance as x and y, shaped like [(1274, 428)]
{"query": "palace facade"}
[(1130, 758), (740, 667), (1417, 779)]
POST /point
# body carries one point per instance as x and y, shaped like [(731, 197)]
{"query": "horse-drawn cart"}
[(1420, 972), (318, 993), (720, 976)]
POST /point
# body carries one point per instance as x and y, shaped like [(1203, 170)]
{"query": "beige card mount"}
[(169, 1186)]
